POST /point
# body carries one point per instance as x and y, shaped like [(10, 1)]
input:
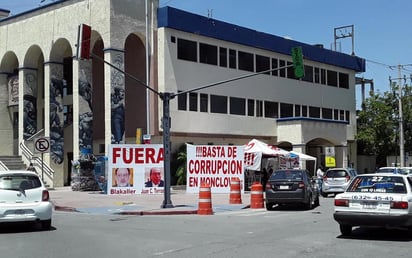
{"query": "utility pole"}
[(401, 133), (401, 136)]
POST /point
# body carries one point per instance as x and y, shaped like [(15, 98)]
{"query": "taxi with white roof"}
[(379, 199)]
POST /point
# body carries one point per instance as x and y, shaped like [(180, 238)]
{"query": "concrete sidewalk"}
[(64, 199)]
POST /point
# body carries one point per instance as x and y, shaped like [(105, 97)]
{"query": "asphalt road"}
[(290, 232)]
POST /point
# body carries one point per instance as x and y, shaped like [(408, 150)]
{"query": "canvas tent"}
[(255, 150)]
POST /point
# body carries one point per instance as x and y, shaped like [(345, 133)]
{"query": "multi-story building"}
[(88, 104)]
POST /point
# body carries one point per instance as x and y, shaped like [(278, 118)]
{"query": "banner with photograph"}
[(135, 169), (215, 166), (289, 161)]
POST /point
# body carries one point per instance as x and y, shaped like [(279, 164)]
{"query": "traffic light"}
[(297, 58), (83, 41)]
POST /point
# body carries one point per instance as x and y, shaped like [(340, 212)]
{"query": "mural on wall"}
[(86, 112), (117, 100), (29, 105), (56, 118), (13, 89)]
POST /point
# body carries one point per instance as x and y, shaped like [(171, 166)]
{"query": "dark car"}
[(291, 186)]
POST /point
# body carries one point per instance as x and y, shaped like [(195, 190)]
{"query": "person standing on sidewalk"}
[(319, 175), (31, 167)]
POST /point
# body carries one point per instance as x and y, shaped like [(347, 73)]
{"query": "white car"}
[(24, 198), (382, 199), (395, 170)]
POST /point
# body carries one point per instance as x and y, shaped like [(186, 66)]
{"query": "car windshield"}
[(378, 184), (336, 173), (19, 182), (405, 171), (287, 174), (386, 170)]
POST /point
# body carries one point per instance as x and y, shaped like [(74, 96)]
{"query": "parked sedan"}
[(291, 186), (24, 198), (383, 199)]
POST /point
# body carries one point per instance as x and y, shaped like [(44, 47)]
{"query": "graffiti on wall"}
[(56, 118), (29, 105), (13, 89), (86, 112), (117, 101)]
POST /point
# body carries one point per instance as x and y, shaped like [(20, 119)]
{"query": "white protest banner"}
[(135, 169), (215, 166)]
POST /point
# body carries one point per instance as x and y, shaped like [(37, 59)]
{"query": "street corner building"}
[(138, 51)]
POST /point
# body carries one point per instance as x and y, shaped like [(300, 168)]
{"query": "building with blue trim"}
[(232, 84)]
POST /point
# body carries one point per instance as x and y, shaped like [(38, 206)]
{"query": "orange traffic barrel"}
[(205, 200), (235, 192), (256, 196)]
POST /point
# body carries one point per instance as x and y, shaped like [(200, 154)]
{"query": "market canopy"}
[(303, 156), (255, 146), (255, 150)]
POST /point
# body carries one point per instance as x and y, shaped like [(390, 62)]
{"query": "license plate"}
[(369, 205), (283, 187)]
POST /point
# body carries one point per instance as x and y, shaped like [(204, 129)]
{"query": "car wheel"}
[(345, 230), (410, 231), (309, 204), (324, 194), (46, 224), (269, 206)]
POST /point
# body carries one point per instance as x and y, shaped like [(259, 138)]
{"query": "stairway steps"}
[(13, 162)]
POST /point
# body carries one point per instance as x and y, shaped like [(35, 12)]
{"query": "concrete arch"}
[(98, 86), (9, 97), (321, 142), (9, 63), (59, 108), (33, 55), (33, 90), (316, 147), (61, 49), (135, 101), (285, 145)]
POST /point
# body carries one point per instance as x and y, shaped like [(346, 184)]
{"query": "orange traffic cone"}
[(256, 196), (235, 193), (205, 200)]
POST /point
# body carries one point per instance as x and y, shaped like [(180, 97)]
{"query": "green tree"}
[(378, 124), (181, 169)]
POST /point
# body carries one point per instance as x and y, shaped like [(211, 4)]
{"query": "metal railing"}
[(3, 167), (42, 168)]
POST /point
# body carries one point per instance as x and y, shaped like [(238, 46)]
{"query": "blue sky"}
[(382, 32)]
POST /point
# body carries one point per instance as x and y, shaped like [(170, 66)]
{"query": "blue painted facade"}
[(192, 23)]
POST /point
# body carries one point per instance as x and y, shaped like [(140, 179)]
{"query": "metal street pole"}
[(166, 96), (401, 136), (147, 67)]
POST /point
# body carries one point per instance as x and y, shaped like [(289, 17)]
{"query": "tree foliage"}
[(378, 124)]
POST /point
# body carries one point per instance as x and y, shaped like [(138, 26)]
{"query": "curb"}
[(145, 213)]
